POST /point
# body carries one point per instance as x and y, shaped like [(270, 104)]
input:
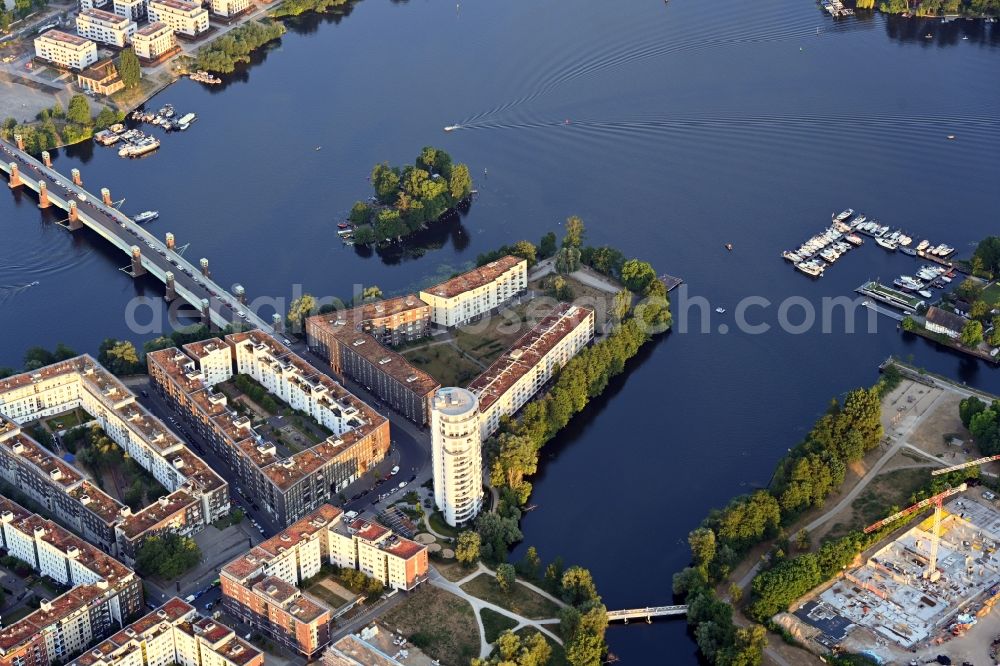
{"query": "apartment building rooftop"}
[(180, 367), (385, 308), (152, 28), (402, 547), (101, 15), (139, 523), (475, 278), (275, 589), (203, 348), (18, 633), (368, 531), (247, 564), (178, 4), (300, 530), (105, 507), (46, 463), (353, 651), (237, 651), (525, 354), (370, 349), (65, 38)]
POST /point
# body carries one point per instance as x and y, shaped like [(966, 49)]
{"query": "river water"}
[(672, 129)]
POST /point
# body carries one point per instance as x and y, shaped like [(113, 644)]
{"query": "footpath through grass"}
[(520, 599), (439, 623)]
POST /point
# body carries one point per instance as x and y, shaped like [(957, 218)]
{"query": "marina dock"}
[(670, 282)]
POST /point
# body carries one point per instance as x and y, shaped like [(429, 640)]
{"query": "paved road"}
[(109, 221)]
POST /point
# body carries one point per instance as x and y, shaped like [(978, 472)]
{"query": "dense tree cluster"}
[(983, 421), (523, 249), (167, 556), (513, 650), (803, 479), (55, 127), (119, 357), (986, 258), (975, 8), (408, 198), (129, 68), (297, 7), (234, 47)]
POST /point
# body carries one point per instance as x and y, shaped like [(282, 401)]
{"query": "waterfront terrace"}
[(82, 383), (260, 586), (173, 633), (360, 356), (288, 485), (103, 592), (524, 368)]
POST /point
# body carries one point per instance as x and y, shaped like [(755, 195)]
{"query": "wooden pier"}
[(670, 282)]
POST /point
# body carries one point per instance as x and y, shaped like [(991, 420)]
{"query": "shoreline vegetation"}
[(55, 127), (803, 479), (975, 9), (410, 198), (223, 54)]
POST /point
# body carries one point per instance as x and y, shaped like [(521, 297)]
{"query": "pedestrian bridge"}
[(647, 613)]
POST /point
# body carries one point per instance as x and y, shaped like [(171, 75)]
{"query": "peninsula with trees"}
[(409, 198)]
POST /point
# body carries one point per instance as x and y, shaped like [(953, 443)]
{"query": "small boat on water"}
[(451, 128), (729, 246), (951, 137), (923, 245), (345, 232), (854, 240), (925, 293), (908, 251), (844, 215), (343, 225), (720, 310), (890, 245), (146, 216)]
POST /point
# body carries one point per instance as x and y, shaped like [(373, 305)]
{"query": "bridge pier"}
[(278, 323), (15, 177), (171, 289), (46, 159), (76, 178), (19, 140), (169, 241), (74, 217), (106, 196), (240, 293), (137, 267), (649, 620), (43, 195), (204, 267), (206, 311)]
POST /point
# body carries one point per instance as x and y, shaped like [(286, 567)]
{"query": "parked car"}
[(395, 471)]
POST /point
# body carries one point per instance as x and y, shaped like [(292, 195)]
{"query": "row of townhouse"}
[(261, 586), (284, 484), (174, 633), (104, 594), (196, 496), (357, 342)]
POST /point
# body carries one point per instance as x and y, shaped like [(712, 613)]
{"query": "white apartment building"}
[(174, 633), (153, 40), (93, 4), (105, 27), (521, 372), (67, 50), (133, 10), (293, 381), (186, 18), (473, 294), (229, 7), (456, 454), (82, 382)]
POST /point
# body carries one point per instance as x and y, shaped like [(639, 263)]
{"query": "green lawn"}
[(70, 419), (444, 363), (327, 596), (438, 525), (16, 614), (992, 294), (495, 624), (519, 600)]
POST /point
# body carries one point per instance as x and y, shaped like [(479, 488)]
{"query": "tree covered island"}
[(407, 199)]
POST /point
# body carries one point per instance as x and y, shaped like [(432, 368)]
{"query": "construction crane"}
[(931, 573), (953, 468)]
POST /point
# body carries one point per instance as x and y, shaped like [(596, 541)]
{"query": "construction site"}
[(929, 590)]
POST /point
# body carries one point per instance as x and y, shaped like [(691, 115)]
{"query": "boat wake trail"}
[(10, 291)]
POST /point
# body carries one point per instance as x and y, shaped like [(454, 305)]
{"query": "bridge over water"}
[(146, 253), (646, 613)]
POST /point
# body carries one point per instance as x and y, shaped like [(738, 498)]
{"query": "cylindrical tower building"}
[(457, 455)]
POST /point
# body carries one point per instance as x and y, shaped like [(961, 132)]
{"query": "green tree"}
[(79, 110), (988, 251), (167, 556), (637, 275), (994, 336), (129, 68), (530, 565), (972, 333), (547, 246), (497, 533), (119, 357), (105, 118), (525, 250), (460, 182), (299, 309), (364, 235), (361, 213), (970, 289), (505, 576), (702, 544), (908, 324), (980, 310), (389, 224), (467, 547), (574, 232), (577, 586), (385, 180)]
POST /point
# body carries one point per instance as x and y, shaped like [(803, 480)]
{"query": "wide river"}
[(672, 129)]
